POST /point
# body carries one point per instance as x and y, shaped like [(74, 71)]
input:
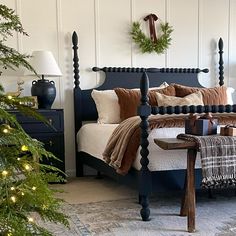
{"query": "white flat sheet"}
[(92, 138)]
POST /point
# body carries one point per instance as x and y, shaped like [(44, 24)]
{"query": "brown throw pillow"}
[(130, 99), (211, 96)]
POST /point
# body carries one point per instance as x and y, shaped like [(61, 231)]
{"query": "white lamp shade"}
[(44, 64)]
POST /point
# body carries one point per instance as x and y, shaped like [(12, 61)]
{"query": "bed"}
[(146, 177)]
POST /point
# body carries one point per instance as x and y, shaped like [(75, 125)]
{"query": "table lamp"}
[(44, 64)]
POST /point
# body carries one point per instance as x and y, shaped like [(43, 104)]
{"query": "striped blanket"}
[(218, 159)]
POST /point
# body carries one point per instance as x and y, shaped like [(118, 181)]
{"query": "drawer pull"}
[(50, 143), (50, 121)]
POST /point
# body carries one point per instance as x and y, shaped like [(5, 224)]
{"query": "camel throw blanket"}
[(122, 146), (218, 159)]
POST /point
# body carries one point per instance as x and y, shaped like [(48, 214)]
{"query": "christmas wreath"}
[(147, 44)]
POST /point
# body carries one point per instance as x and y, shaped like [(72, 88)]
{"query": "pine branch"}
[(23, 179)]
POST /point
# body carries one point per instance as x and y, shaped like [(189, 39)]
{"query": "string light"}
[(5, 131), (13, 198), (27, 167), (18, 159), (34, 188), (12, 188), (22, 194), (30, 219), (4, 173), (9, 97), (24, 148)]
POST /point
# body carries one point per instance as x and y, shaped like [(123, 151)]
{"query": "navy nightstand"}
[(53, 138)]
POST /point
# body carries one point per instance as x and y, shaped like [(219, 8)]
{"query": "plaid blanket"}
[(218, 159)]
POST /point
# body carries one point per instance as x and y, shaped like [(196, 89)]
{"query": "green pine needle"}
[(24, 190)]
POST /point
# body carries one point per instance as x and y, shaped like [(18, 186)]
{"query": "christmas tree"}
[(24, 191)]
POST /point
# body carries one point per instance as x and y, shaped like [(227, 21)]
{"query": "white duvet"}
[(92, 138)]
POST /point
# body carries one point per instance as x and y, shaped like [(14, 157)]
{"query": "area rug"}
[(121, 217)]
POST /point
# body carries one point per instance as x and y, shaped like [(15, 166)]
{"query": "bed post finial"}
[(75, 59), (144, 110), (77, 100), (221, 62)]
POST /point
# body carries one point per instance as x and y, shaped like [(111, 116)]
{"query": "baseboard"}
[(71, 173), (87, 172)]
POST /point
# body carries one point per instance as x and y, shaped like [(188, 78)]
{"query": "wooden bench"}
[(188, 201)]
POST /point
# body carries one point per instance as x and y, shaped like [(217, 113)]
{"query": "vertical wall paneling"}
[(214, 24), (114, 32), (103, 28), (59, 47), (185, 35), (12, 41), (167, 14), (10, 82), (141, 9), (232, 47), (132, 17), (77, 16), (40, 21), (19, 36), (97, 39)]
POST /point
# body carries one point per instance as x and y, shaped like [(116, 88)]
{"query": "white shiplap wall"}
[(103, 28)]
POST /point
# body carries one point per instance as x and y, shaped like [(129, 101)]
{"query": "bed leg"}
[(210, 194), (145, 211), (140, 197), (99, 175), (79, 167)]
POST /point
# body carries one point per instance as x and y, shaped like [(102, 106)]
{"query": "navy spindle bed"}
[(85, 110)]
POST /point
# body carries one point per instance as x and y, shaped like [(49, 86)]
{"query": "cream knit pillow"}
[(191, 99)]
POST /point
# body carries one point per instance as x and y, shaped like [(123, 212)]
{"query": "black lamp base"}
[(45, 91)]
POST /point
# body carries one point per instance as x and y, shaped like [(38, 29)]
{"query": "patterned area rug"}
[(213, 217)]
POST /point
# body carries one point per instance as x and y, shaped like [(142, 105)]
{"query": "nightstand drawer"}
[(31, 125), (54, 143)]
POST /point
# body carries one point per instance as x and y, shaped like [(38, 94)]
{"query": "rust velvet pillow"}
[(211, 96), (130, 99)]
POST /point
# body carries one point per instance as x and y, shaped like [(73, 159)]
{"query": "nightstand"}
[(53, 138)]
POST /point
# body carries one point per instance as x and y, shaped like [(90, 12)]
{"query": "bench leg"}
[(191, 158), (184, 201)]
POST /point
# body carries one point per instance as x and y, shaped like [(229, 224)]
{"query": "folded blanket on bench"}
[(122, 146), (218, 159)]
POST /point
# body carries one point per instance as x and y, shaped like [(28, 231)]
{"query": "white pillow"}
[(191, 99), (107, 105), (229, 92)]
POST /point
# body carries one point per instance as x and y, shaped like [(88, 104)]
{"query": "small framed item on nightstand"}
[(30, 101)]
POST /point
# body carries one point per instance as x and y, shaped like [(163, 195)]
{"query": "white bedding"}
[(92, 139)]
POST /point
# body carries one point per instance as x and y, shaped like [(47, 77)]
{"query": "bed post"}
[(144, 110), (77, 101), (221, 62)]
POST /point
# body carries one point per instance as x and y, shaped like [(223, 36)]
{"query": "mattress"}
[(92, 139)]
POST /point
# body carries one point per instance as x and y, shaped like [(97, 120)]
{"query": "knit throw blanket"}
[(218, 159)]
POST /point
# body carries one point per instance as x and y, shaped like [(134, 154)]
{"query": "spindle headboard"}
[(84, 106)]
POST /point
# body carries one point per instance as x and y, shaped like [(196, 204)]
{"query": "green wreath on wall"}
[(152, 44)]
